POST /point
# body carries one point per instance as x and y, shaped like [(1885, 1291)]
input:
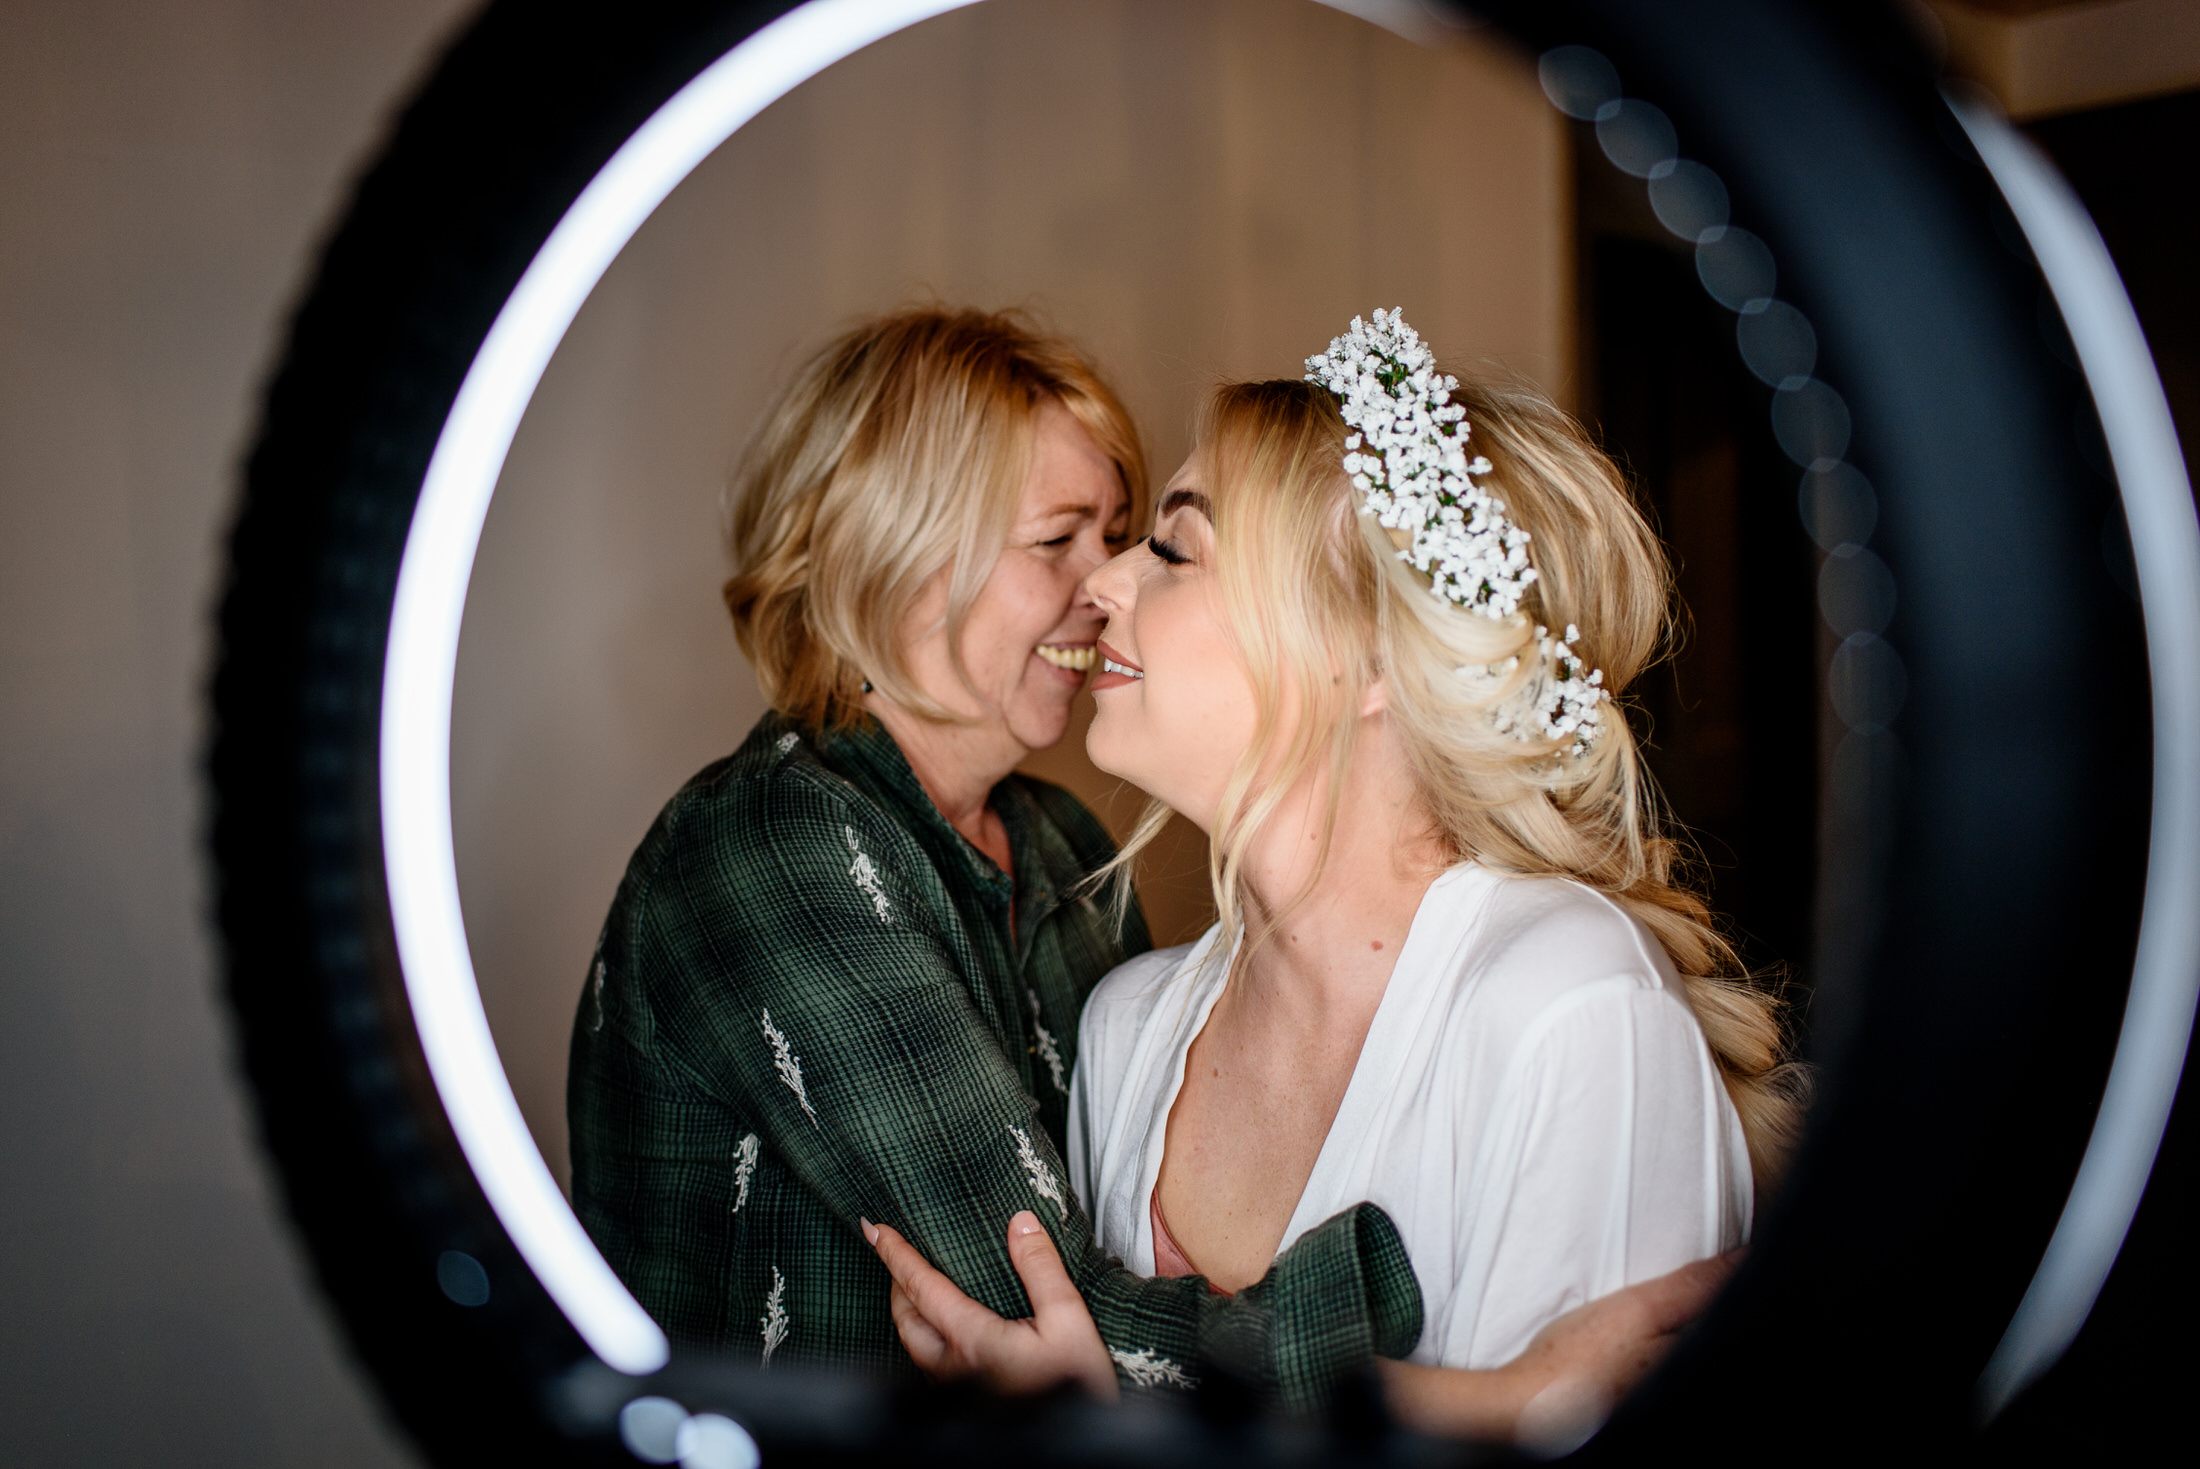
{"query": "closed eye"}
[(1166, 552)]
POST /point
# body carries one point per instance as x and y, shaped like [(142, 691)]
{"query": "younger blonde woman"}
[(1454, 973)]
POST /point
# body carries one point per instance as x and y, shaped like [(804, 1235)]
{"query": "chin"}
[(1043, 730), (1105, 751)]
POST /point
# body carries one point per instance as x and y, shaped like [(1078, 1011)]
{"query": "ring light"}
[(420, 862), (2165, 979), (342, 624)]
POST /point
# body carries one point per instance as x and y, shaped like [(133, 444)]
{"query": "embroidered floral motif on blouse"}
[(789, 1067), (775, 1316), (744, 1169), (1048, 1051), (1144, 1369), (1044, 1183)]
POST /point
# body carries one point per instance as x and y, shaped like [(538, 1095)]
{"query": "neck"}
[(1333, 929), (957, 764)]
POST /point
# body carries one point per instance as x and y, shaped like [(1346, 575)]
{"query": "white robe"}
[(1535, 1108)]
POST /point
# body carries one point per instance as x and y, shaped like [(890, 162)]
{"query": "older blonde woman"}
[(1454, 973)]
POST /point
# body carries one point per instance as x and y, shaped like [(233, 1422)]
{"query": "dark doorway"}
[(1731, 721)]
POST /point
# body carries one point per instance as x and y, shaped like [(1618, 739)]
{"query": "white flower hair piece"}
[(1407, 456)]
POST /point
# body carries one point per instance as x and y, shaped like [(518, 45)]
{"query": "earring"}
[(867, 686)]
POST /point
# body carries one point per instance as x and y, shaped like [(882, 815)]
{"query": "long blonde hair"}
[(895, 455), (1320, 607)]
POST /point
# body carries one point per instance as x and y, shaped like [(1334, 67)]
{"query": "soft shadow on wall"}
[(1196, 190)]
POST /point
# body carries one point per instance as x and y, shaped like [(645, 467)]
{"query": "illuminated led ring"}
[(431, 600), (274, 707), (2165, 978)]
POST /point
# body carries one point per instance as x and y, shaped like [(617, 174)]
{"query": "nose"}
[(1091, 552), (1111, 587)]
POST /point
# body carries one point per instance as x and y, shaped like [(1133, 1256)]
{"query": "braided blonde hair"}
[(1320, 607)]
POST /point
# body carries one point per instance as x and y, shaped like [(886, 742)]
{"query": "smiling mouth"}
[(1077, 658), (1111, 662)]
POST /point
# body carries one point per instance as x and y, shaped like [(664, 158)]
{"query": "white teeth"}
[(1109, 665), (1076, 659)]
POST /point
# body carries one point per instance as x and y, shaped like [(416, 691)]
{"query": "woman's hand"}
[(1561, 1389), (950, 1336), (1551, 1397)]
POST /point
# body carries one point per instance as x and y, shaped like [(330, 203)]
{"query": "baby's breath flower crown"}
[(1407, 456)]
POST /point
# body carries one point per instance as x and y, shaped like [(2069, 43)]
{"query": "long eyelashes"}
[(1166, 551)]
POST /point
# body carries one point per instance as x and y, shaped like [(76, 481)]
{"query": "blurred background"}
[(1195, 189)]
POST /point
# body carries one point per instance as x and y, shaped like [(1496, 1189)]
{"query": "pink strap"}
[(1169, 1259)]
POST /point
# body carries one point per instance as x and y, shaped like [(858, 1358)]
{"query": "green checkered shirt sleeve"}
[(802, 965)]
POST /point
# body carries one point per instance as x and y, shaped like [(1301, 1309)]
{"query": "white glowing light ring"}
[(2165, 545), (420, 862), (417, 853)]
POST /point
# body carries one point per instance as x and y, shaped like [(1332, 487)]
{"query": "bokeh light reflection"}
[(1690, 200), (1838, 505), (650, 1429)]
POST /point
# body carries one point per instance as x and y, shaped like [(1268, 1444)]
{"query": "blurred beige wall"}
[(167, 169), (2044, 58), (1195, 189)]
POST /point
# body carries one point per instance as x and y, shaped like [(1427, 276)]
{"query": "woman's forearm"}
[(1570, 1376), (1453, 1402)]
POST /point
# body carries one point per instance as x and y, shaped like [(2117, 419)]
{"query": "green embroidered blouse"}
[(808, 1005)]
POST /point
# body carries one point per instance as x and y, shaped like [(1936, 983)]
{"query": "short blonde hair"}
[(1320, 606), (897, 453)]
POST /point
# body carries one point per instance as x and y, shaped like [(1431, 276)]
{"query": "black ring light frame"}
[(1939, 1243)]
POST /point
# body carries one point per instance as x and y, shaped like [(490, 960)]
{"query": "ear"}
[(1377, 698)]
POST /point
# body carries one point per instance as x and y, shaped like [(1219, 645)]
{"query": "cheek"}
[(1021, 603), (1044, 591), (1218, 704), (1200, 678)]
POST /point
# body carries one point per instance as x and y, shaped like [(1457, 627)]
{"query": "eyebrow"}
[(1085, 508), (1178, 499)]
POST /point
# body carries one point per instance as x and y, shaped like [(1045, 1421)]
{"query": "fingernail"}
[(870, 1231), (1024, 1222)]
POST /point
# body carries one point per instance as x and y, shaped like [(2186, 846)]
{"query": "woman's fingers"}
[(926, 1347), (947, 1334), (961, 1321), (1058, 1314), (913, 1274), (1038, 1265)]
